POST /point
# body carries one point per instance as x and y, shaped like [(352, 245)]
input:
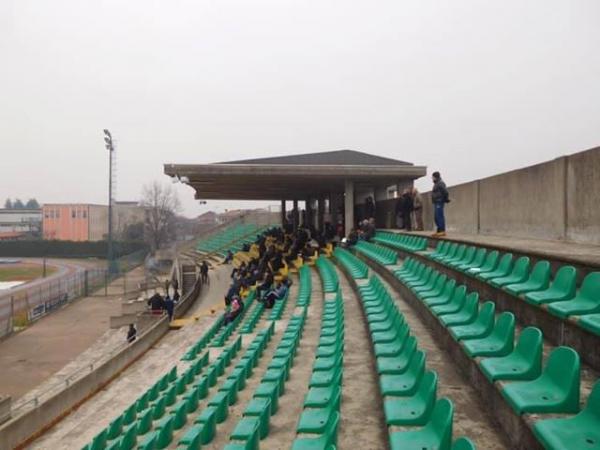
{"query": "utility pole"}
[(112, 269)]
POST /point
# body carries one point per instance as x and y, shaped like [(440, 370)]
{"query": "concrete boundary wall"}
[(17, 432), (556, 200)]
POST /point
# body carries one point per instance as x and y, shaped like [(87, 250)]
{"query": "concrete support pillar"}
[(321, 213), (295, 214), (348, 206), (283, 213)]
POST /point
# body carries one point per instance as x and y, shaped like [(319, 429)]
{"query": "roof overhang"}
[(285, 181)]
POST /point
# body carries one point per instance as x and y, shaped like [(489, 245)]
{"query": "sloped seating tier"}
[(305, 287), (201, 344), (512, 378), (567, 315), (318, 423), (254, 424), (401, 241), (354, 266), (408, 389), (383, 255), (329, 276), (231, 238)]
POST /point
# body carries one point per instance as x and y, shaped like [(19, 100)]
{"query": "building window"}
[(73, 214), (84, 214)]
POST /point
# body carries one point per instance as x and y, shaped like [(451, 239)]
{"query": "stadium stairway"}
[(502, 359)]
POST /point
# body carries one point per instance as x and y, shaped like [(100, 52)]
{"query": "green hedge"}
[(67, 249)]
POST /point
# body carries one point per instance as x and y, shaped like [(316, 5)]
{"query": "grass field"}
[(23, 272)]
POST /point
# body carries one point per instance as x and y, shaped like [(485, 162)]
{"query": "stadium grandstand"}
[(398, 340)]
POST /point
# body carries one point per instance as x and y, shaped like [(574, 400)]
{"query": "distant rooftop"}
[(335, 157)]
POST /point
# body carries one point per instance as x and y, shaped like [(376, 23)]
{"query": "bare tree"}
[(162, 205)]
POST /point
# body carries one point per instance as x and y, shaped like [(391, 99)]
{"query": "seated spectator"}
[(275, 294), (228, 257), (131, 333), (352, 238), (265, 286), (237, 306)]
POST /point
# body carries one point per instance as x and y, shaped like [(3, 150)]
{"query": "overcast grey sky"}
[(467, 87)]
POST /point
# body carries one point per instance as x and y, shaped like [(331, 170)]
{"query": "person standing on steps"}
[(417, 210), (439, 197)]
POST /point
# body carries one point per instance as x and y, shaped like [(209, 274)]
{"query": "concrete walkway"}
[(31, 356)]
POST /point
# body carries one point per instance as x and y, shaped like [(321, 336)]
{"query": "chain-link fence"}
[(28, 304)]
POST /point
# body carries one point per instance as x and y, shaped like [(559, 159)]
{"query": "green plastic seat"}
[(463, 443), (115, 428), (129, 439), (504, 267), (556, 390), (164, 432), (500, 342), (230, 386), (149, 442), (248, 431), (477, 261), (129, 415), (144, 421), (142, 402), (397, 364), (179, 413), (538, 280), (270, 390), (455, 256), (326, 441), (395, 347), (442, 299), (436, 434), (278, 376), (524, 363), (99, 441), (587, 300), (466, 314), (261, 409), (489, 264), (467, 258), (414, 409), (201, 386), (170, 395), (320, 397), (581, 432), (324, 378), (563, 287), (454, 305), (590, 322), (221, 402), (436, 289), (192, 439), (208, 420), (519, 273), (315, 420), (407, 383), (481, 327)]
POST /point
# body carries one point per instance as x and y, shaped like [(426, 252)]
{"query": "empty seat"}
[(538, 280), (436, 434), (502, 269), (466, 314), (407, 383), (463, 443), (414, 409), (499, 342), (556, 390), (480, 327), (581, 432), (519, 273), (587, 300), (454, 305), (563, 287), (524, 363), (488, 265)]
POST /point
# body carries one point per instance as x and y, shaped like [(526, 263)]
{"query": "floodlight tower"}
[(108, 141)]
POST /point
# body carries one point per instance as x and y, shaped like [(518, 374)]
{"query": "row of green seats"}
[(408, 389), (226, 331), (279, 307), (528, 386), (355, 267), (201, 344), (254, 424), (253, 318), (383, 255), (159, 408), (318, 423), (329, 276), (225, 237), (401, 241), (304, 287), (533, 285), (204, 426)]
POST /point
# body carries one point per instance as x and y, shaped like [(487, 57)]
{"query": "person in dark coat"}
[(131, 333), (407, 209), (169, 307), (369, 208)]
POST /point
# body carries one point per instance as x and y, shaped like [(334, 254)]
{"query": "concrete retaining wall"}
[(556, 200)]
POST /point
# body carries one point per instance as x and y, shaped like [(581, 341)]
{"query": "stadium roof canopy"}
[(309, 175)]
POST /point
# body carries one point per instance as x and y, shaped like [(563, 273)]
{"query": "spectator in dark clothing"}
[(399, 208), (368, 230), (234, 290), (176, 297), (204, 273), (131, 333), (175, 285), (352, 238), (228, 257), (156, 303), (167, 285), (439, 197), (275, 294), (169, 307), (265, 286), (369, 208), (407, 209)]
